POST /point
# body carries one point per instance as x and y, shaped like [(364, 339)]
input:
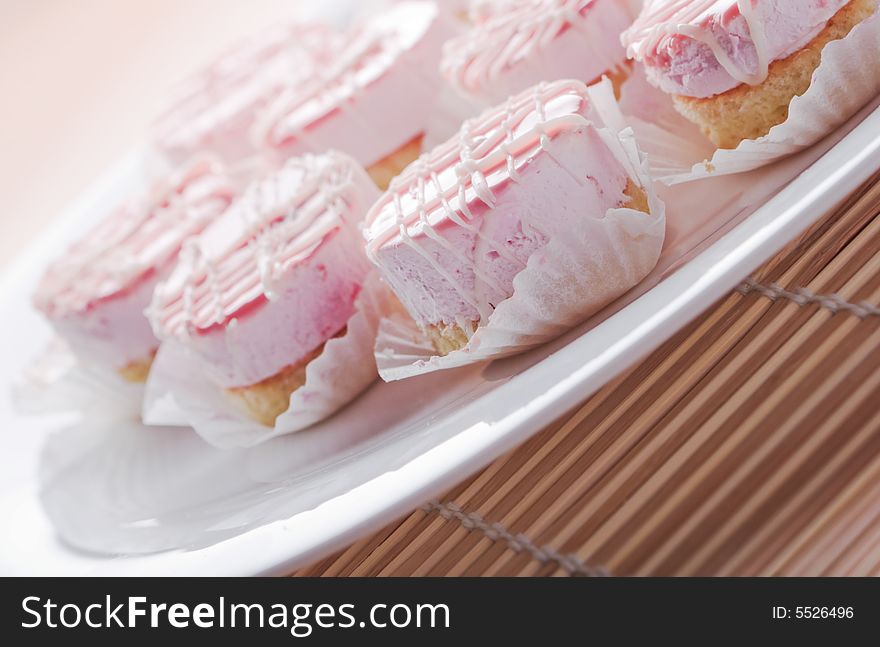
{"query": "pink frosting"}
[(481, 10), (96, 293), (375, 97), (276, 276), (458, 225), (114, 333), (700, 48), (514, 45), (216, 109)]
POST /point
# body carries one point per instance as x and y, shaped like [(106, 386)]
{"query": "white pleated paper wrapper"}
[(58, 383), (179, 394), (563, 283), (847, 78)]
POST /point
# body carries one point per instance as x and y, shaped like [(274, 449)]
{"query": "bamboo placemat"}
[(749, 444)]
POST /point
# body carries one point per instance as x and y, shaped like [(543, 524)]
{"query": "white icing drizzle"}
[(277, 220), (142, 236), (242, 81), (373, 49), (190, 254), (663, 18), (482, 10), (512, 33), (496, 141)]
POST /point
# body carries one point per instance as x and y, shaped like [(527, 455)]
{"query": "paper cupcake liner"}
[(606, 255), (847, 78), (58, 383), (178, 392)]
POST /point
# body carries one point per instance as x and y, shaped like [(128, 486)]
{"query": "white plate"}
[(81, 499)]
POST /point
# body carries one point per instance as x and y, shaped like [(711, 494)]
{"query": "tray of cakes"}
[(351, 265)]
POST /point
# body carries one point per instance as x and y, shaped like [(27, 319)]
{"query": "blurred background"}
[(82, 79)]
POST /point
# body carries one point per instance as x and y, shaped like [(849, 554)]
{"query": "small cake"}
[(514, 45), (374, 99), (95, 294), (733, 66), (457, 227), (215, 110), (256, 297)]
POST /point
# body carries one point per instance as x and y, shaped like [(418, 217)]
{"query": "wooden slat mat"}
[(748, 444)]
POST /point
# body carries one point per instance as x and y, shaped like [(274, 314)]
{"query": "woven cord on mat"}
[(749, 444)]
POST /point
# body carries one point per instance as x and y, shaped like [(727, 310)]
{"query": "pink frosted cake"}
[(95, 295), (514, 45), (216, 109), (733, 66), (459, 224), (259, 293), (373, 101)]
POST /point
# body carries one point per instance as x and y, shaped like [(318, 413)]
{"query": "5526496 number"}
[(810, 613)]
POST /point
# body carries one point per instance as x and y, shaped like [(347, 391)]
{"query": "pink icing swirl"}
[(216, 109), (136, 242), (278, 222), (432, 215), (514, 45), (355, 101), (276, 276), (701, 48)]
